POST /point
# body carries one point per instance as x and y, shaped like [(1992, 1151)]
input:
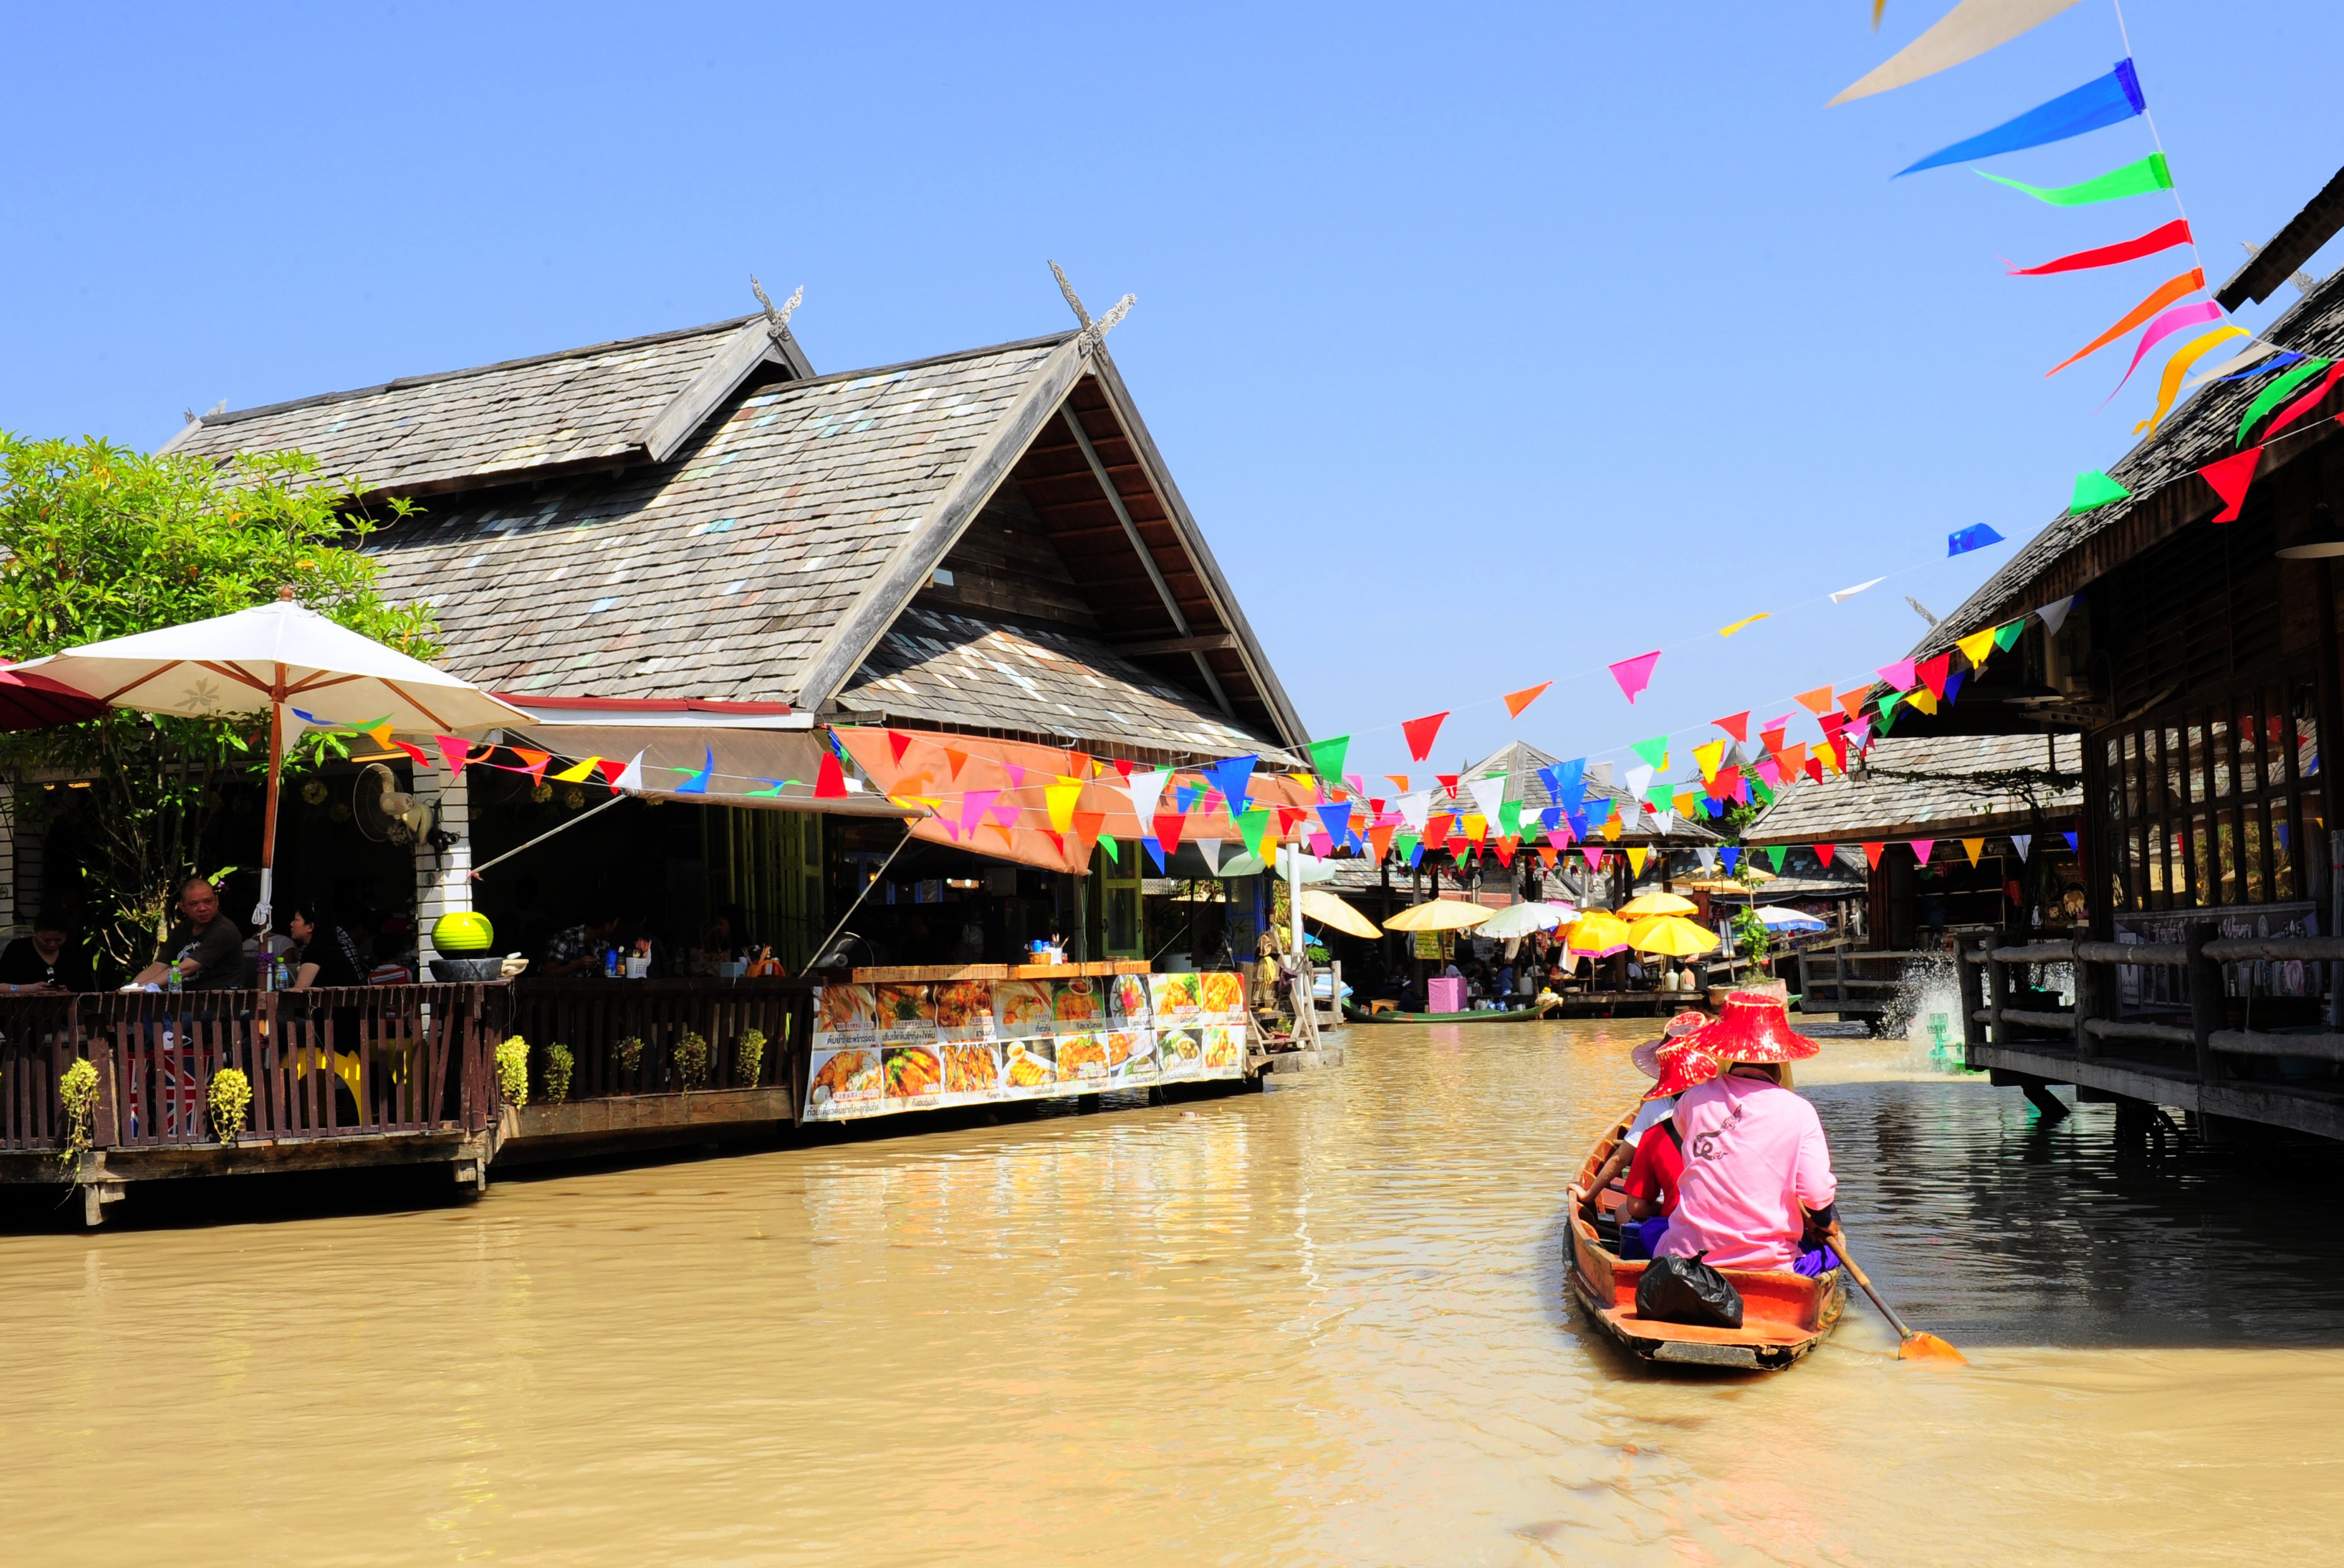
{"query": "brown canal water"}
[(1322, 1324)]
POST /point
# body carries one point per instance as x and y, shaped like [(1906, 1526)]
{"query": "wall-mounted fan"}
[(384, 812)]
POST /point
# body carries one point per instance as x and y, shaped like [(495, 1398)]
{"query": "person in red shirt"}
[(1658, 1169)]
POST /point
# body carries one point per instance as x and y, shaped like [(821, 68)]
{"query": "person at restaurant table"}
[(1757, 1175), (45, 961), (325, 955), (579, 950), (208, 948)]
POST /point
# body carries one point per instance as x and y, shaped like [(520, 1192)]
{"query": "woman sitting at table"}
[(324, 954)]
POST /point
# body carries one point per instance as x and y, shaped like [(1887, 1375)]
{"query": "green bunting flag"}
[(1106, 842), (2094, 488), (2141, 178), (2006, 636), (1326, 757), (1251, 825), (1655, 751), (1774, 852), (1407, 843), (1509, 818), (2276, 393)]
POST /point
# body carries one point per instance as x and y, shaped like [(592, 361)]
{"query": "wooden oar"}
[(1910, 1346)]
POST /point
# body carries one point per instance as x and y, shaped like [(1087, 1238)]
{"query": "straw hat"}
[(1755, 1029), (1647, 1057), (1683, 1065)]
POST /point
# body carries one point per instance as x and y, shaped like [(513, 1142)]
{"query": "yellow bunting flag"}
[(380, 735), (1612, 829), (1976, 646), (580, 774), (1477, 826), (1919, 697), (1746, 619), (1970, 847), (2169, 385), (1709, 757), (1686, 801), (1636, 854), (1061, 798)]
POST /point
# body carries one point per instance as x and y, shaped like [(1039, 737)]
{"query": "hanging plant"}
[(230, 1098), (559, 1065), (542, 792), (691, 1060), (313, 792), (629, 1055), (513, 1071), (77, 1092), (749, 1057)]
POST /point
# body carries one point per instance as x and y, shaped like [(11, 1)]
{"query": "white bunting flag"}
[(1416, 809), (1210, 848), (1146, 789), (2020, 841), (1846, 594), (1488, 795)]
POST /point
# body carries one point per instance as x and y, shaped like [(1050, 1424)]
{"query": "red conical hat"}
[(1647, 1057), (1684, 1065), (1755, 1029)]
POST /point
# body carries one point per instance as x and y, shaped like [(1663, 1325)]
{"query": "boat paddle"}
[(1910, 1346)]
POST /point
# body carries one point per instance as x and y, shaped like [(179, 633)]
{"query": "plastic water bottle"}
[(171, 981)]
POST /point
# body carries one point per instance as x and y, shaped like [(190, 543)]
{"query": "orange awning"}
[(992, 796)]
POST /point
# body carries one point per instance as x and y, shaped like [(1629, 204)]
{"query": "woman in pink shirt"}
[(1757, 1175)]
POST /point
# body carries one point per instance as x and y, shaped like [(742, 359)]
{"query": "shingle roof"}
[(1932, 786), (2202, 428), (580, 407), (932, 666), (717, 573)]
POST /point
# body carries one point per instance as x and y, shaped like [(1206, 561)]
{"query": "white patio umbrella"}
[(281, 657), (1781, 917), (1522, 919)]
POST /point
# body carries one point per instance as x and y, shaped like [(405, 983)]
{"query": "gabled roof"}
[(2159, 471), (605, 405), (1933, 787), (793, 549)]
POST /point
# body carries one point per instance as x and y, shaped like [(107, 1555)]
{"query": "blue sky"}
[(1487, 347)]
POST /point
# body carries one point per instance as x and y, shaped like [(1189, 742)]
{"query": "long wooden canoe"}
[(1487, 1016), (1783, 1315)]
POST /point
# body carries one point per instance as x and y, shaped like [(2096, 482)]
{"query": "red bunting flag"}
[(1167, 826), (1772, 739), (897, 744), (829, 782), (1419, 734), (2231, 478), (1826, 853), (1817, 701), (1123, 767), (1933, 674), (2163, 237), (1815, 770), (1516, 701), (1871, 854), (1735, 724), (456, 752), (1435, 830), (1505, 852), (1456, 847), (1449, 784)]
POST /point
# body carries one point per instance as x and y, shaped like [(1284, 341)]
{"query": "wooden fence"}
[(622, 1035), (367, 1061)]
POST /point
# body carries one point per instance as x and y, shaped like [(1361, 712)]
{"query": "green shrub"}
[(749, 1057), (628, 1054), (77, 1092), (513, 1071), (559, 1066), (691, 1060), (230, 1099)]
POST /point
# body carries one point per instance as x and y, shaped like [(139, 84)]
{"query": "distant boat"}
[(1487, 1016)]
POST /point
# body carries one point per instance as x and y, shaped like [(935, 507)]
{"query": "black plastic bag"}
[(1688, 1291)]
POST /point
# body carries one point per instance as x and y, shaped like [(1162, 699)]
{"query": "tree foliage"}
[(101, 541)]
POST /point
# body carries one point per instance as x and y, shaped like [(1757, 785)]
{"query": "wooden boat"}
[(1783, 1315), (1487, 1016)]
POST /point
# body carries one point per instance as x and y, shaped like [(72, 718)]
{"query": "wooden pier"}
[(2202, 1057)]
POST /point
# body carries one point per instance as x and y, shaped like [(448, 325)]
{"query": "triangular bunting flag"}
[(1971, 848), (1337, 819), (1061, 799), (1871, 854), (1146, 789), (631, 777), (1210, 848), (1636, 857), (458, 752), (958, 760), (1825, 855), (2231, 477), (1231, 778), (2094, 488), (1327, 756), (1933, 672), (1735, 724), (830, 779), (1167, 826), (1635, 675), (2006, 635), (2021, 841), (1655, 751), (896, 745), (1775, 855), (1731, 854), (1817, 701), (1516, 701), (698, 783), (533, 762), (1920, 848), (1976, 646), (1088, 825), (1976, 536), (1154, 853), (1421, 734), (2071, 841)]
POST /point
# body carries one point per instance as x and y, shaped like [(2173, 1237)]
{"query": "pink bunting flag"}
[(2164, 327), (1016, 774), (1635, 675), (1594, 857), (1899, 675), (456, 752), (973, 805), (1920, 848)]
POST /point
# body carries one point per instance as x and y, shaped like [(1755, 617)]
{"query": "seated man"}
[(579, 950), (207, 949), (1757, 1173), (44, 961)]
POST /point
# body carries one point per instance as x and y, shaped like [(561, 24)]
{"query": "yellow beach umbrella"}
[(1437, 914), (1645, 903), (1671, 935), (1597, 934), (1323, 906)]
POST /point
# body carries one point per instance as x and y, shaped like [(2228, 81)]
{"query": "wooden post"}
[(1973, 988), (2090, 1001), (1997, 985), (2208, 1005)]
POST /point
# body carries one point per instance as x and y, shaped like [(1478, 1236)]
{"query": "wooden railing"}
[(366, 1061), (593, 1018), (1986, 971), (1835, 980)]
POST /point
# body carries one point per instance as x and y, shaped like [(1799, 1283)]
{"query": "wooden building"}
[(2196, 662)]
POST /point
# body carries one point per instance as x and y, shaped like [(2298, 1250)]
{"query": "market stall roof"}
[(1932, 787), (986, 541)]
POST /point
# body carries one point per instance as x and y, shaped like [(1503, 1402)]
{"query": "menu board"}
[(878, 1050)]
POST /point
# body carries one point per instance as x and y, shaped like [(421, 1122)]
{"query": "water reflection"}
[(1321, 1324)]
